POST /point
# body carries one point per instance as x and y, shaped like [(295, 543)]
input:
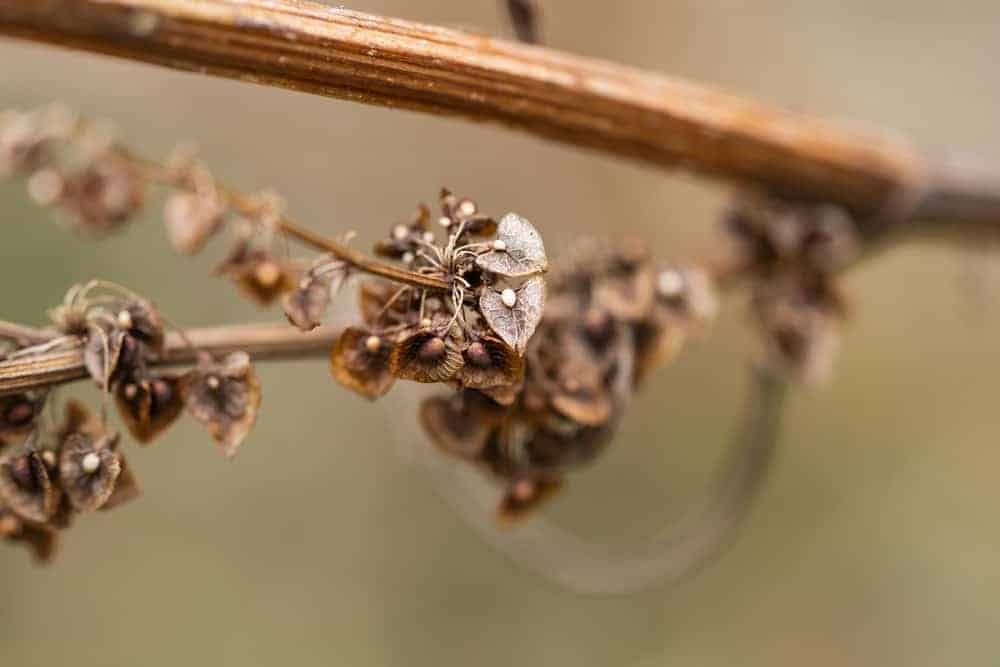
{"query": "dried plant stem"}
[(291, 228), (622, 111), (260, 341)]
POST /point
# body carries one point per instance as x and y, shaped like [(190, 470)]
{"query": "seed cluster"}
[(790, 254), (612, 316), (471, 336)]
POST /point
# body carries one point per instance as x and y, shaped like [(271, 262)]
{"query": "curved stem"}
[(594, 568)]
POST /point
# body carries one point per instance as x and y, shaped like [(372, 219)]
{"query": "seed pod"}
[(522, 253), (102, 352), (426, 356), (23, 143), (514, 324), (149, 405), (524, 496), (88, 470), (258, 274), (191, 218), (224, 396), (490, 362), (39, 538), (126, 487), (140, 320), (18, 413), (360, 361), (26, 486), (105, 195), (459, 425), (306, 306)]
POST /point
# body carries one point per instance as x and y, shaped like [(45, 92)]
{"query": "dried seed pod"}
[(490, 362), (426, 356), (514, 323), (140, 320), (360, 361), (520, 251), (26, 486), (126, 487), (105, 195), (258, 273), (459, 425), (18, 413), (224, 396), (192, 218), (102, 352), (306, 306), (88, 470), (23, 143), (39, 538), (582, 397), (149, 405), (686, 292), (626, 292), (524, 496)]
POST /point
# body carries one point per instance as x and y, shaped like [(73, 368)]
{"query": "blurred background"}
[(874, 542)]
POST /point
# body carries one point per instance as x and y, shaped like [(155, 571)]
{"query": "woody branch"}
[(618, 110)]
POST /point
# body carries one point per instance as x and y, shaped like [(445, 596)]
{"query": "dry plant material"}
[(224, 396)]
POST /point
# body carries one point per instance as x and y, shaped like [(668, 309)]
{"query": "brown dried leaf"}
[(515, 324), (360, 362), (522, 253), (224, 396)]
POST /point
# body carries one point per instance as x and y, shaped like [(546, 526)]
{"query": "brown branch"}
[(669, 122), (355, 258), (260, 341)]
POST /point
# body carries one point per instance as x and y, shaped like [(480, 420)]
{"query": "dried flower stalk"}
[(622, 111)]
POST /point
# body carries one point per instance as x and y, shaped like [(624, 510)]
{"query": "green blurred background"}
[(874, 543)]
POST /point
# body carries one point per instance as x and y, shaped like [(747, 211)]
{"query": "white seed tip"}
[(467, 208), (426, 322), (212, 382), (428, 237), (91, 462), (444, 221), (373, 343), (408, 258), (124, 319), (509, 297), (49, 457), (499, 245), (400, 232), (670, 283)]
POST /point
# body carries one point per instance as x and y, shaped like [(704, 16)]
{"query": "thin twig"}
[(626, 112), (260, 341), (356, 258)]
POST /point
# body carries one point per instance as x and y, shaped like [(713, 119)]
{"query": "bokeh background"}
[(875, 542)]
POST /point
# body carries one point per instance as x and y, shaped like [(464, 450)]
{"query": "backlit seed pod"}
[(88, 470), (224, 396), (258, 273), (524, 496), (523, 252), (18, 413), (490, 362), (426, 356), (140, 320), (360, 361), (149, 405), (515, 323), (26, 486), (192, 218), (306, 306)]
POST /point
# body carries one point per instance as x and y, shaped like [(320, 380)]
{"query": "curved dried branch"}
[(622, 111)]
